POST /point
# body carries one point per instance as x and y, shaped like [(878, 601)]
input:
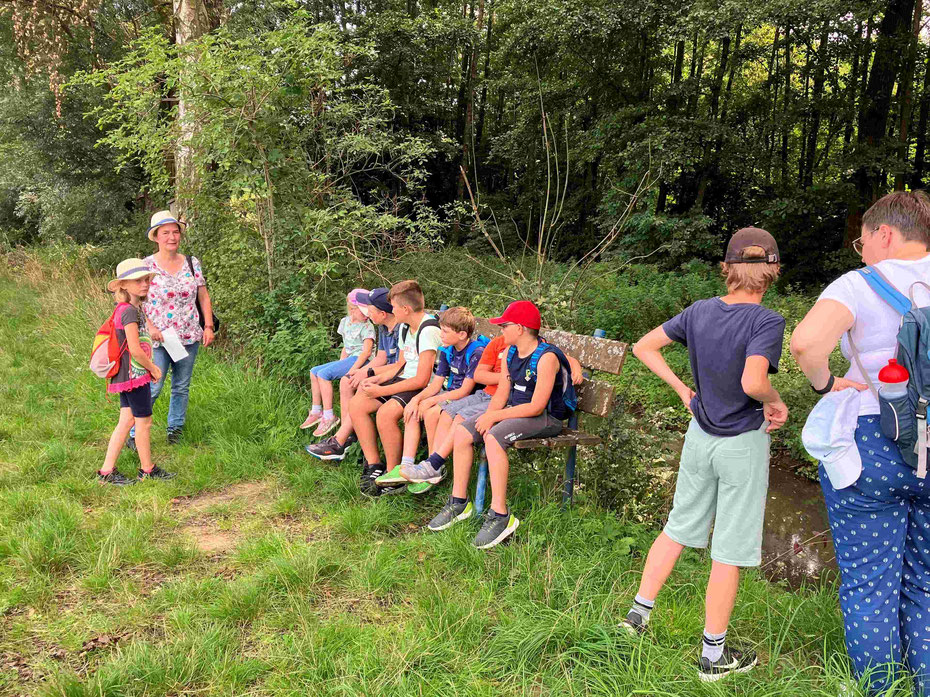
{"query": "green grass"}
[(315, 590)]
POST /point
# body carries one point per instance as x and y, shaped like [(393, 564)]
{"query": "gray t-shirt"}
[(720, 337)]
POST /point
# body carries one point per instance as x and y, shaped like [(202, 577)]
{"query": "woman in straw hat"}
[(133, 379), (177, 285)]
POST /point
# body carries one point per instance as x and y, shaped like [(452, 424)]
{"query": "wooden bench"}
[(594, 397)]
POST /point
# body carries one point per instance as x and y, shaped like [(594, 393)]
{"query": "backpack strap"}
[(427, 322), (885, 290)]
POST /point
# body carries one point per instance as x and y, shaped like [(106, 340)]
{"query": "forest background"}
[(591, 155)]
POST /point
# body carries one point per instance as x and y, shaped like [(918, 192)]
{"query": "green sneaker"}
[(419, 488), (391, 478)]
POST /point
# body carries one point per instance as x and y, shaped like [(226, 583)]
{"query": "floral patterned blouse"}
[(172, 300)]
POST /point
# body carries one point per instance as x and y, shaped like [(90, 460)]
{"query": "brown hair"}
[(907, 211), (458, 319), (407, 293), (755, 277)]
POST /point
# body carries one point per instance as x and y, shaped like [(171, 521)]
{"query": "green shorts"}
[(722, 481)]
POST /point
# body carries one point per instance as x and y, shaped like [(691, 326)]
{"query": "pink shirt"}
[(172, 300)]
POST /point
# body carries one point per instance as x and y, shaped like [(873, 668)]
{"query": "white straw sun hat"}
[(163, 218), (129, 270)]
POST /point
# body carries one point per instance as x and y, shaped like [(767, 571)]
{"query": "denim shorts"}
[(722, 481), (470, 407), (334, 369)]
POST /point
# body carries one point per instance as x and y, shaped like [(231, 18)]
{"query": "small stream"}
[(796, 542)]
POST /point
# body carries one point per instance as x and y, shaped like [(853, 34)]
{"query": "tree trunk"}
[(785, 105), (807, 178), (906, 92), (191, 21), (920, 143), (715, 89), (771, 97), (479, 129), (673, 104), (852, 90), (893, 34)]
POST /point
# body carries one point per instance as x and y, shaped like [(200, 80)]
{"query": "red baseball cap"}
[(521, 312)]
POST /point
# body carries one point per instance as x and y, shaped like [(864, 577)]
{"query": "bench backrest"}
[(606, 355)]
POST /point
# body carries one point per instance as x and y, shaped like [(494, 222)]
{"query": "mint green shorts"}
[(722, 481)]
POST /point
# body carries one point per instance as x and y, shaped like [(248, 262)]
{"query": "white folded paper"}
[(173, 345)]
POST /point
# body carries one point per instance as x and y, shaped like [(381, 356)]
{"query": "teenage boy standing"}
[(733, 344)]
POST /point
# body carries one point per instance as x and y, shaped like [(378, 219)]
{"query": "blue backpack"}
[(479, 342), (904, 419), (569, 396)]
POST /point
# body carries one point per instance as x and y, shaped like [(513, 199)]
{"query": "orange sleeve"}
[(491, 352)]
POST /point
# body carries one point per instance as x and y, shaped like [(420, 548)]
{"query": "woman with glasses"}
[(881, 521)]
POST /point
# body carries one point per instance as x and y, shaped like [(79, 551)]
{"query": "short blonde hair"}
[(407, 293), (458, 319), (755, 278)]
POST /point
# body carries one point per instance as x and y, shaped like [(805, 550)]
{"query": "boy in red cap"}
[(534, 396)]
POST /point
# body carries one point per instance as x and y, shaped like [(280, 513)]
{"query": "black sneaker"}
[(329, 449), (369, 474), (388, 490), (731, 661), (351, 439), (174, 436), (633, 624), (131, 444), (156, 473), (116, 478)]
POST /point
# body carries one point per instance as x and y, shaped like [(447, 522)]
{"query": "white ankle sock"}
[(327, 413), (643, 606), (712, 645), (316, 409), (407, 460)]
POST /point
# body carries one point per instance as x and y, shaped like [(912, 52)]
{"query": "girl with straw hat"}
[(135, 374)]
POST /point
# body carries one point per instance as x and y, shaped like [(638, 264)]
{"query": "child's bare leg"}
[(117, 440), (361, 408), (411, 437), (498, 470), (463, 455), (346, 392), (315, 388), (659, 564), (388, 419), (445, 442), (431, 421), (721, 596), (326, 393), (144, 442)]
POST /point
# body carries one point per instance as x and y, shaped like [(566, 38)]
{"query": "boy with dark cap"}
[(534, 396), (733, 344), (381, 313)]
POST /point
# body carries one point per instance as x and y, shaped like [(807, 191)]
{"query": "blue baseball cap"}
[(377, 298)]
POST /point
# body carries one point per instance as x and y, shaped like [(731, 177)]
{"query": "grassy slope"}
[(323, 592)]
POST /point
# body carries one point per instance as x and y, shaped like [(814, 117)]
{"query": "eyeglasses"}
[(857, 243), (504, 325)]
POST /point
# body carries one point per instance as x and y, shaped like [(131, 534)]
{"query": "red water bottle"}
[(893, 378)]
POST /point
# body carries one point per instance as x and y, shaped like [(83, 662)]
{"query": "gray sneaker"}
[(450, 514), (421, 472), (496, 529)]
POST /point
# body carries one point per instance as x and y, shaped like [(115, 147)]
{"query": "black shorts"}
[(139, 400), (401, 397)]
